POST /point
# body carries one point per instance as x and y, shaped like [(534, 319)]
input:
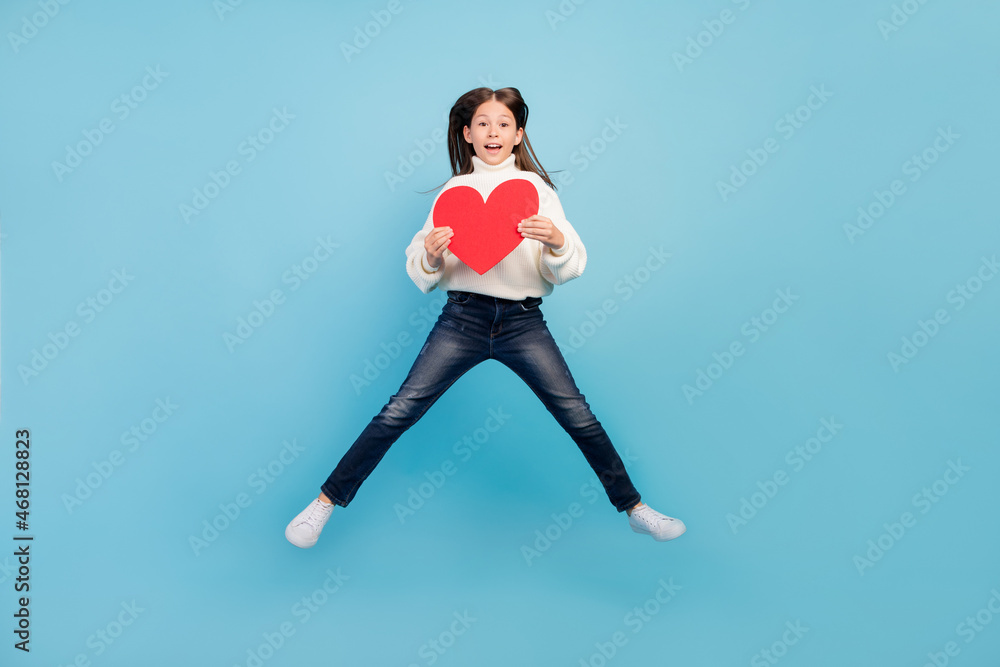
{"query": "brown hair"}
[(460, 151)]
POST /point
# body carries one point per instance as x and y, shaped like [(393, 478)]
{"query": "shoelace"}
[(650, 516), (317, 514)]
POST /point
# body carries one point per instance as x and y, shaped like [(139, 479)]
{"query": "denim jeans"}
[(471, 329)]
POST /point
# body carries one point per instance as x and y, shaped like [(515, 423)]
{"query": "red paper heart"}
[(485, 232)]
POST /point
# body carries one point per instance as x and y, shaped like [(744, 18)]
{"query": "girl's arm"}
[(567, 262), (422, 274)]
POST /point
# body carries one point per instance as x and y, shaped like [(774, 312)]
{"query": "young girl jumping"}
[(495, 315)]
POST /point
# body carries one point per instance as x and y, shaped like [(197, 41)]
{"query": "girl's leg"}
[(528, 349), (452, 348)]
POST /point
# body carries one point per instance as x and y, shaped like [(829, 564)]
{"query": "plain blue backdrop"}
[(813, 394)]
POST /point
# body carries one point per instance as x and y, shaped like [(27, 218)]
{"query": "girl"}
[(495, 315)]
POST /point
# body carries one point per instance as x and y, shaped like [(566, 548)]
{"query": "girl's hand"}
[(540, 228), (435, 243)]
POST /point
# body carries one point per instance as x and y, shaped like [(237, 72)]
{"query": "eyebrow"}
[(503, 115)]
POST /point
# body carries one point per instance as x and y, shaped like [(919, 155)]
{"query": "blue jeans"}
[(471, 329)]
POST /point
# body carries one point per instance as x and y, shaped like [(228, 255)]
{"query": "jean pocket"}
[(459, 297), (531, 303)]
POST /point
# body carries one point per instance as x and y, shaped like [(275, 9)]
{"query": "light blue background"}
[(655, 185)]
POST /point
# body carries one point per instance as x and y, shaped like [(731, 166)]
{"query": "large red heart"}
[(485, 232)]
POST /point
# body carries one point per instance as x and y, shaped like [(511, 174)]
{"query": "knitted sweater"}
[(531, 269)]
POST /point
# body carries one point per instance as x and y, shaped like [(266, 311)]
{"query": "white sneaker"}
[(304, 530), (647, 521)]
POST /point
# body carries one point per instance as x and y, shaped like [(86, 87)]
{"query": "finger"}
[(540, 236), (537, 221)]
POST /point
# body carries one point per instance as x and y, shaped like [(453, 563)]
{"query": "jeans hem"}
[(629, 505), (332, 497)]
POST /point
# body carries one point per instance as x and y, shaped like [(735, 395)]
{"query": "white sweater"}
[(530, 270)]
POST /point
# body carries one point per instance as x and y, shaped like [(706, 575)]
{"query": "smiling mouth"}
[(493, 148)]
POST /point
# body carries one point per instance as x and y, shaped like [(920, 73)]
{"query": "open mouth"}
[(493, 149)]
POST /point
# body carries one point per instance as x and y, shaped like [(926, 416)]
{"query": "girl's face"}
[(492, 133)]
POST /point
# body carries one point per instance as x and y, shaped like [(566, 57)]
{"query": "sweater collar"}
[(480, 166)]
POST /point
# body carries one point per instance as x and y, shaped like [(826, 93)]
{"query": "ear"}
[(467, 133), (520, 133)]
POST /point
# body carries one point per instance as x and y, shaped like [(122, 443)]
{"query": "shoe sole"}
[(661, 537), (301, 545)]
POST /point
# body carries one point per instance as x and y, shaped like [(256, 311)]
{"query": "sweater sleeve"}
[(416, 257), (562, 264)]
